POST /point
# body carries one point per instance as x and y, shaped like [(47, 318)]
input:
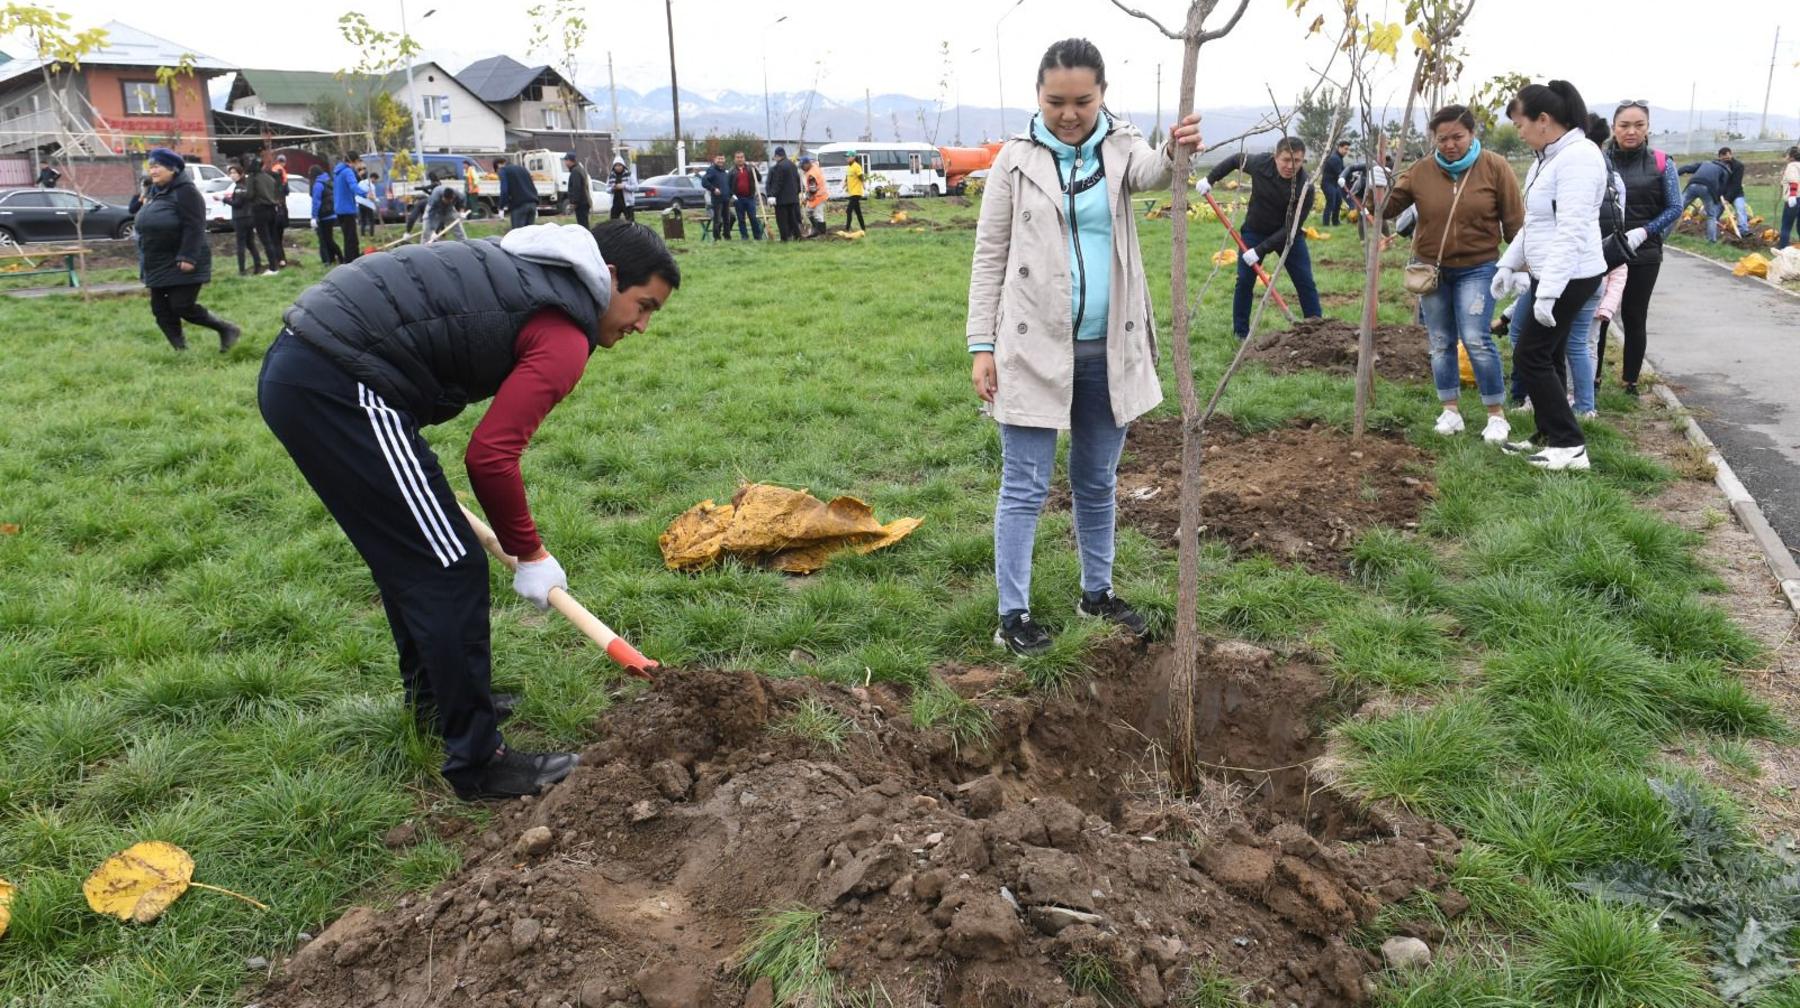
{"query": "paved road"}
[(1730, 346)]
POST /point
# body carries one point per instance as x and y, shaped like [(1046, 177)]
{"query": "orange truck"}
[(960, 161)]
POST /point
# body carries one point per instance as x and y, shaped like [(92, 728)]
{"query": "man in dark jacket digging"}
[(1280, 195), (405, 339)]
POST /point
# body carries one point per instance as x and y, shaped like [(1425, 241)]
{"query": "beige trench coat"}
[(1020, 286)]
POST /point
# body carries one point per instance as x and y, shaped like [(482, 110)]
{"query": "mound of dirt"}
[(950, 875), (1402, 353), (1752, 242), (1300, 492)]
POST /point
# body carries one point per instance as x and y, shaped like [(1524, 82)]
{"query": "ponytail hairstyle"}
[(1559, 100), (1598, 129), (1070, 54)]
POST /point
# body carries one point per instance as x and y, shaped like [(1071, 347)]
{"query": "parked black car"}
[(663, 191), (45, 215)]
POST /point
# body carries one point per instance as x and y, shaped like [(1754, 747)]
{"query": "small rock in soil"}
[(1051, 919), (535, 841), (983, 796), (761, 994), (256, 964), (646, 809), (403, 835), (671, 779), (1406, 953), (668, 985), (525, 933)]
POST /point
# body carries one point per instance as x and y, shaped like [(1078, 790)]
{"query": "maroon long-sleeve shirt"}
[(551, 354)]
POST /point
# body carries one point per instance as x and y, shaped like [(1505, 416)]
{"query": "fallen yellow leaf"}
[(7, 889), (140, 882), (777, 528), (8, 528)]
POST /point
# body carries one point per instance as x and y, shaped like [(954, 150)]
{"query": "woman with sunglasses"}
[(1652, 206)]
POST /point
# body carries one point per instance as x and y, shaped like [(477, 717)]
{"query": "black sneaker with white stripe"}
[(1020, 635), (1107, 606)]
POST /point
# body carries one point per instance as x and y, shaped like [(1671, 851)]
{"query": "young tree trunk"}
[(1183, 770)]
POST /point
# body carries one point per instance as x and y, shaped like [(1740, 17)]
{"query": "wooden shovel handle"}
[(616, 647), (1260, 272)]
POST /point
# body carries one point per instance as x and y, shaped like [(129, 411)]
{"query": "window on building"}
[(552, 118), (147, 98), (437, 107)]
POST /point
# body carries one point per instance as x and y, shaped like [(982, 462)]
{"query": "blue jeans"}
[(1790, 223), (1297, 263), (1577, 366), (1709, 203), (746, 210), (1028, 455), (1334, 204), (1742, 207), (1446, 315)]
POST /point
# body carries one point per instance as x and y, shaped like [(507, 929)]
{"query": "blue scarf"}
[(1456, 168)]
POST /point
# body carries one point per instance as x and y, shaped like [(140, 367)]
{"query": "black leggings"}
[(351, 245), (1535, 357), (268, 227), (172, 306), (854, 209), (1634, 308), (326, 229), (245, 231)]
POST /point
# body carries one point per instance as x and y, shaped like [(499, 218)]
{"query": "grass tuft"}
[(788, 947), (818, 723), (1592, 955)]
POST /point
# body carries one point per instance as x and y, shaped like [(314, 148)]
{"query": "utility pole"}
[(1158, 123), (868, 118), (675, 91), (1762, 132), (1690, 130), (614, 93), (1000, 74)]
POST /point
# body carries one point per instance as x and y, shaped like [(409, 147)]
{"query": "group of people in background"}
[(735, 196)]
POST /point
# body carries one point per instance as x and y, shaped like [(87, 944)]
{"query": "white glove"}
[(1521, 283), (1203, 186), (1792, 200), (1544, 310), (534, 579), (1636, 237), (1502, 283), (1251, 258)]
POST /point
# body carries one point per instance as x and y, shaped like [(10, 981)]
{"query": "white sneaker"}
[(1591, 415), (1561, 458), (1518, 448), (1524, 407), (1449, 422), (1496, 430), (268, 273)]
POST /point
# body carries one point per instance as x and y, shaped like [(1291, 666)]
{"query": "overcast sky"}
[(1610, 50)]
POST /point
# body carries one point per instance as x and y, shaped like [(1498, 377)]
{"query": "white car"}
[(218, 212)]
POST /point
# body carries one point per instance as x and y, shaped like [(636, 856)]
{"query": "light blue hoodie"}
[(1083, 177)]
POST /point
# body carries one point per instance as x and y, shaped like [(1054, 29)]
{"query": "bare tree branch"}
[(1177, 36), (1206, 37)]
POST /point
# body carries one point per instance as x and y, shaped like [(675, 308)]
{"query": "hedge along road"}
[(1728, 345)]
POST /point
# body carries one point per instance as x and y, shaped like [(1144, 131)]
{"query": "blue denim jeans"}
[(1028, 455), (1577, 366), (1790, 223), (1742, 207), (1709, 203), (746, 211), (1447, 317), (1297, 263)]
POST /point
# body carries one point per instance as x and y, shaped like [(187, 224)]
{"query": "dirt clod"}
[(1406, 953), (964, 878), (535, 842), (1402, 352)]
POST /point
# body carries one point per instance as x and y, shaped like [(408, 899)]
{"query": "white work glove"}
[(533, 580), (1544, 310), (1636, 237), (1203, 186), (1521, 283), (1792, 200), (1502, 283), (1251, 258)]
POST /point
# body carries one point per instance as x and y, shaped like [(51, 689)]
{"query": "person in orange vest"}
[(816, 194), (471, 186)]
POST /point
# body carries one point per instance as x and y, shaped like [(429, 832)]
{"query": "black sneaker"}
[(1020, 635), (1631, 388), (514, 774), (1107, 606), (425, 715)]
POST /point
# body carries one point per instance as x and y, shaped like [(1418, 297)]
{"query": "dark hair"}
[(234, 168), (314, 172), (1724, 151), (1513, 107), (1794, 153), (1558, 99), (1451, 114), (1290, 143), (1071, 53), (350, 156), (1598, 129), (637, 253), (499, 161), (1343, 143)]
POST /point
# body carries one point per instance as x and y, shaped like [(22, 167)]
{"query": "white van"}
[(901, 169)]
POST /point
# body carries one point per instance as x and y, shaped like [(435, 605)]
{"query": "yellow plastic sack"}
[(778, 528), (1752, 265), (1464, 366), (1224, 257)]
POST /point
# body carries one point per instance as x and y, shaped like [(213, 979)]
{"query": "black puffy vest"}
[(1644, 199), (432, 328)]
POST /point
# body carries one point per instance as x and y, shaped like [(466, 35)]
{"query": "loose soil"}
[(1299, 493), (1752, 242), (1402, 353), (955, 875)]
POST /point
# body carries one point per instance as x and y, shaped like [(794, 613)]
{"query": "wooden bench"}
[(1147, 203), (72, 259)]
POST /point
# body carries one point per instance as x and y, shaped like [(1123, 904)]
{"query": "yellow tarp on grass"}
[(777, 528)]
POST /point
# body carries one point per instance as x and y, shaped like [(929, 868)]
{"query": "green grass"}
[(816, 722), (789, 948), (1598, 956), (191, 651)]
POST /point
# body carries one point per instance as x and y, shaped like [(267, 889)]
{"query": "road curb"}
[(1777, 288), (1743, 505)]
